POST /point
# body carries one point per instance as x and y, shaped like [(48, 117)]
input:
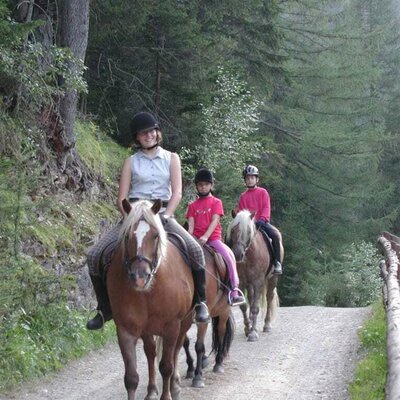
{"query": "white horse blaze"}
[(141, 230)]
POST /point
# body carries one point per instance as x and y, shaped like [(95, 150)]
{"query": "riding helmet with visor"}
[(144, 121), (204, 175), (250, 170)]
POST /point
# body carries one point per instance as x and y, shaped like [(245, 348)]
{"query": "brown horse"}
[(254, 270), (151, 293), (222, 325)]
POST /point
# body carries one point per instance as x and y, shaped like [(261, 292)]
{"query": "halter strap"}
[(154, 264)]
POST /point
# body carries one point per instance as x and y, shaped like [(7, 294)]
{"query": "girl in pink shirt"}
[(256, 199), (203, 217)]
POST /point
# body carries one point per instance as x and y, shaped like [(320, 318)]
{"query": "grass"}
[(40, 330), (370, 377)]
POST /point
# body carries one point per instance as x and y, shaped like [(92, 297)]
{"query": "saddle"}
[(222, 268)]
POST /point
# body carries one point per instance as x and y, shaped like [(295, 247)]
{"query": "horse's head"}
[(144, 242), (240, 233)]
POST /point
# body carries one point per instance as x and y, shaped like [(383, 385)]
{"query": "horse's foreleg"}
[(243, 309), (183, 339), (149, 346), (198, 381), (272, 302), (167, 364), (254, 310), (127, 344)]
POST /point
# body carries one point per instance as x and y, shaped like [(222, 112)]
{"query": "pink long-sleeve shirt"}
[(257, 200)]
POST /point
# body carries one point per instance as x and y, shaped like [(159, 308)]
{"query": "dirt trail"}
[(309, 355)]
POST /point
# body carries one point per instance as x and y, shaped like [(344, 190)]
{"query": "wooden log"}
[(392, 238), (383, 274), (392, 391)]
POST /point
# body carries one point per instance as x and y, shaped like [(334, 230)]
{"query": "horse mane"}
[(142, 210), (247, 227)]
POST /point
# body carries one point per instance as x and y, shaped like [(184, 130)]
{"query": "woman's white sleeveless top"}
[(151, 178)]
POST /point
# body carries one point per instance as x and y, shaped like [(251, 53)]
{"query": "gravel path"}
[(309, 355)]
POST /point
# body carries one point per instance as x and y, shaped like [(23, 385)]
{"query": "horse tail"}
[(222, 345), (275, 304)]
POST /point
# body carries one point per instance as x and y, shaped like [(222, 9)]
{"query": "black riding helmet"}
[(143, 121), (204, 175), (250, 170)]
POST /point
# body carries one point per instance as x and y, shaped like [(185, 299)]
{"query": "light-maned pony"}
[(255, 271), (151, 293)]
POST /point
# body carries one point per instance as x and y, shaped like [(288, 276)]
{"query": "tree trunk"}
[(73, 29), (72, 33)]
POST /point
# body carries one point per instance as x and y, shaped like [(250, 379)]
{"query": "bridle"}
[(244, 245), (154, 263)]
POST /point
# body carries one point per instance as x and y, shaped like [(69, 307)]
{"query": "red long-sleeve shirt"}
[(257, 200)]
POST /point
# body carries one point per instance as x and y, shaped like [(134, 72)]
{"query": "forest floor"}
[(310, 354)]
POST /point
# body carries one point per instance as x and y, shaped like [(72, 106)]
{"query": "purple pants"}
[(227, 254)]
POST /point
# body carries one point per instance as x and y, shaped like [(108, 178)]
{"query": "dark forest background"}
[(306, 90)]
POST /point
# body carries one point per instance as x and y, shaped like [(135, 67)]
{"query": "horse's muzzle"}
[(140, 279)]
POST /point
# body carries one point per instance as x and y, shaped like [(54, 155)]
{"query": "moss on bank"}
[(44, 234)]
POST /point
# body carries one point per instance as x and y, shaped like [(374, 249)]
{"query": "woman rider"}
[(151, 173)]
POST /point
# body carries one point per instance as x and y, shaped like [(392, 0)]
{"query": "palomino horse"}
[(151, 293), (222, 326), (254, 270)]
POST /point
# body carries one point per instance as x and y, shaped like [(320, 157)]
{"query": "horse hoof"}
[(175, 395), (204, 362), (198, 383), (246, 331), (152, 396), (189, 374), (267, 328), (253, 336), (218, 369)]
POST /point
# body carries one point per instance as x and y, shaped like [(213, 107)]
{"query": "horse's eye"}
[(156, 235)]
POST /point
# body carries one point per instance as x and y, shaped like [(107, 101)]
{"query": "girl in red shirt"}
[(203, 217)]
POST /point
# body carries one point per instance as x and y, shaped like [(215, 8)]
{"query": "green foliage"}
[(230, 124), (43, 241), (29, 71), (370, 377), (39, 332), (101, 154), (347, 280)]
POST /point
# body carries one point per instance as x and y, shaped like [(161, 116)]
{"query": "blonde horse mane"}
[(247, 227), (141, 210)]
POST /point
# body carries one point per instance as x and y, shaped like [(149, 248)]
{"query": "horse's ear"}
[(252, 214), (126, 206), (156, 206), (233, 213)]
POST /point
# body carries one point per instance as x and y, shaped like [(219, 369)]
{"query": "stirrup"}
[(231, 299)]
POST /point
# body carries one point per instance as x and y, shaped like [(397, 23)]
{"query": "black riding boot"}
[(277, 256), (200, 308), (103, 304)]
